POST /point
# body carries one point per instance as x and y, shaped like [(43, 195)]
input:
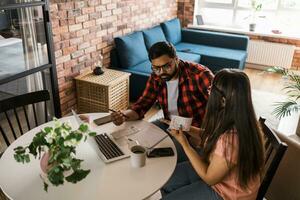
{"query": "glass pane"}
[(216, 16), (9, 2), (294, 4), (266, 4), (22, 41), (31, 83), (286, 22), (262, 19), (219, 1)]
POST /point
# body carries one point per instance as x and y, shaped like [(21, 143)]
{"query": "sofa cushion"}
[(131, 49), (144, 67), (172, 30), (153, 35), (219, 57), (189, 56)]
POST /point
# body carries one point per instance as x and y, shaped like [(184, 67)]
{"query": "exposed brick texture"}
[(186, 11), (84, 29)]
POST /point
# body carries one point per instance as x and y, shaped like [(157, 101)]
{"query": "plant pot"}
[(44, 162), (252, 27)]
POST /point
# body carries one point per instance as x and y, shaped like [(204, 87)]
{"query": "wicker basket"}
[(99, 93)]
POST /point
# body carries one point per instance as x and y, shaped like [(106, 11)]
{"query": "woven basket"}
[(99, 93)]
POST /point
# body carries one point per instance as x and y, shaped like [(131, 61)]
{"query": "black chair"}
[(14, 113), (274, 151)]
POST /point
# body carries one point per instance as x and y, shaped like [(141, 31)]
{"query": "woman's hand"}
[(179, 136)]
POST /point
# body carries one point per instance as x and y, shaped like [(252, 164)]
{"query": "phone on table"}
[(103, 120), (161, 152)]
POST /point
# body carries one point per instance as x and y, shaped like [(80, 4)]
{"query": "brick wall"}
[(84, 29), (186, 11)]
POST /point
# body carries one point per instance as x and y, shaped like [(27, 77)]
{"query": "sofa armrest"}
[(217, 39)]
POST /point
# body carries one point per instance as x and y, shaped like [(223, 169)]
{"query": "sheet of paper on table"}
[(125, 132), (176, 121)]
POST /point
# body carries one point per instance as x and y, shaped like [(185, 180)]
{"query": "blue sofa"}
[(213, 49)]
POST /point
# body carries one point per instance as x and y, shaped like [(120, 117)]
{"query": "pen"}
[(120, 112)]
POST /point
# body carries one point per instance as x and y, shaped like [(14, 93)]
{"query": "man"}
[(181, 88)]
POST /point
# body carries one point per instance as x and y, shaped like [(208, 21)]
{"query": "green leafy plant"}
[(292, 90), (60, 141), (256, 5)]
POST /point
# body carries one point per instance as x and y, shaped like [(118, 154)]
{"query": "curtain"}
[(35, 53)]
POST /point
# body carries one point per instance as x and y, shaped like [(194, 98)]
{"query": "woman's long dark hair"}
[(230, 107)]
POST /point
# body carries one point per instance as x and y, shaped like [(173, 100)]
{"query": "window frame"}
[(44, 4), (235, 8)]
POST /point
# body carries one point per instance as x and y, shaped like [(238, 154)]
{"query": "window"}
[(26, 55), (275, 14)]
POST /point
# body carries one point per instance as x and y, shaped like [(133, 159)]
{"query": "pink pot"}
[(44, 162)]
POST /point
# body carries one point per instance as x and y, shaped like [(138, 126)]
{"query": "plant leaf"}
[(56, 176), (283, 109), (92, 134), (83, 128), (46, 187), (77, 175)]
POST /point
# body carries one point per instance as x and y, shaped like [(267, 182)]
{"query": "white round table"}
[(117, 180)]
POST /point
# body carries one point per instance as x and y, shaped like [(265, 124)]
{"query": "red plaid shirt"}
[(194, 83)]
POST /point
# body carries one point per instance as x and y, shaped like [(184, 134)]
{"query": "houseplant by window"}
[(292, 90), (256, 6), (57, 147)]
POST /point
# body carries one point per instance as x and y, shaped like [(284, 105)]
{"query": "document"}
[(177, 121)]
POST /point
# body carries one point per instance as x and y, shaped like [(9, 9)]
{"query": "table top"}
[(109, 77), (117, 180)]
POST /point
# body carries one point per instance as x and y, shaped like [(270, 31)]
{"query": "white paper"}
[(149, 136), (177, 121), (125, 132)]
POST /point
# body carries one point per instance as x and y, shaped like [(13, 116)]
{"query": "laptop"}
[(109, 150)]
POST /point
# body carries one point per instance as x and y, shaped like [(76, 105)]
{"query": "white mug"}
[(138, 156)]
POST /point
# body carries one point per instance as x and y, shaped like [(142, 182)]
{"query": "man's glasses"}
[(165, 67)]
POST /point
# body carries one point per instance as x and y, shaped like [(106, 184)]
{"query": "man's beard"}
[(168, 77)]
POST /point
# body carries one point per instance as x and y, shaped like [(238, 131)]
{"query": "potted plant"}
[(292, 90), (255, 7), (57, 147)]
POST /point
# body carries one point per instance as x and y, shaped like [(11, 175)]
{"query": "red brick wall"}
[(186, 11), (84, 29)]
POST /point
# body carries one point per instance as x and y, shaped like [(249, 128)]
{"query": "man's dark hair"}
[(160, 49)]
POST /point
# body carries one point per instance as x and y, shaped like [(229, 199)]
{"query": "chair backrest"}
[(274, 151), (14, 113)]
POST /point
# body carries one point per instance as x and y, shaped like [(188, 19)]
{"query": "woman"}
[(233, 155)]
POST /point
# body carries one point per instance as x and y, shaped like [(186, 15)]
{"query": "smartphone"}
[(103, 120), (161, 152)]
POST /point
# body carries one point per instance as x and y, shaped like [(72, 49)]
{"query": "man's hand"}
[(85, 118), (117, 118)]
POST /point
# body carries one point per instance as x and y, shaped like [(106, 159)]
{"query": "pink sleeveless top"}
[(229, 188)]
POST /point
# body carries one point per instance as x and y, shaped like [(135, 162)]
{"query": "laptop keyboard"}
[(108, 148)]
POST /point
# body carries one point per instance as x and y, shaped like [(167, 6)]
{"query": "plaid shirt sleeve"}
[(148, 98), (204, 81)]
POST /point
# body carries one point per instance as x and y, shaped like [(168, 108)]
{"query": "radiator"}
[(270, 54)]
